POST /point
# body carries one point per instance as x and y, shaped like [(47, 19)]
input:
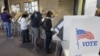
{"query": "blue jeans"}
[(7, 28)]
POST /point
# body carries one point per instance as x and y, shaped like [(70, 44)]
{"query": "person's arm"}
[(19, 20), (28, 21), (9, 16)]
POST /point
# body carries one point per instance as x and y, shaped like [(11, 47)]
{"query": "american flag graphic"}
[(81, 34)]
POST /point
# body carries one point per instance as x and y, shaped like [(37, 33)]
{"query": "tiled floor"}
[(14, 47)]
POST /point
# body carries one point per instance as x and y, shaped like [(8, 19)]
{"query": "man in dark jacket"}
[(5, 16), (35, 23)]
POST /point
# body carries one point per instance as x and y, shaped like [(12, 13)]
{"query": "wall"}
[(66, 5), (56, 5), (90, 7), (98, 4), (1, 5), (50, 5), (65, 8)]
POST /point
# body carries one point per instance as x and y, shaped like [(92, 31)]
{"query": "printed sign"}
[(83, 34)]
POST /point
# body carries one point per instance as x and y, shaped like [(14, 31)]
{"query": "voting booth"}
[(16, 17), (15, 27), (82, 35)]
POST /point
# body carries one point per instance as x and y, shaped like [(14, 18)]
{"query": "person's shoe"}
[(48, 52), (12, 37)]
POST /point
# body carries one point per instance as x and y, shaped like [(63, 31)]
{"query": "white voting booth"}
[(82, 35)]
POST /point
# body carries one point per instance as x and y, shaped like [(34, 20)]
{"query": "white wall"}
[(90, 7)]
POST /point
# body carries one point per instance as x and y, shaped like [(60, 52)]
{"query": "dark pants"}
[(48, 40), (25, 35)]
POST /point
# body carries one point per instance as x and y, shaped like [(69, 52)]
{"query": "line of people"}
[(37, 20)]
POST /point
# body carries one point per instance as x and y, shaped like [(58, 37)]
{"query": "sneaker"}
[(11, 37)]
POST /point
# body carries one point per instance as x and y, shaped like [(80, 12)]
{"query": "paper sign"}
[(83, 34)]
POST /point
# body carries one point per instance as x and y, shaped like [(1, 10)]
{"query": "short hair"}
[(5, 9), (49, 14), (24, 15)]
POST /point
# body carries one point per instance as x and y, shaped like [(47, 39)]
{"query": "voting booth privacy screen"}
[(83, 35)]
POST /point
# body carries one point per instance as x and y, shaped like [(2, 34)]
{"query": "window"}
[(15, 8), (30, 7), (35, 5)]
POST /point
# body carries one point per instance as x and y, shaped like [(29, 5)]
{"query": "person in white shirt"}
[(24, 28)]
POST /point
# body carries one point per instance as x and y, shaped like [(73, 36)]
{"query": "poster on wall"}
[(83, 34)]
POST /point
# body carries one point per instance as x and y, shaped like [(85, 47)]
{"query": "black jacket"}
[(47, 24), (36, 19)]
